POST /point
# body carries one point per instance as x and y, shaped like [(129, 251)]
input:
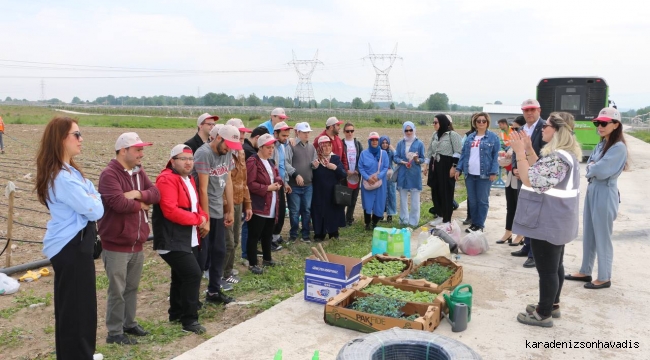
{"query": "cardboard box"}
[(324, 280), (365, 281), (454, 280), (337, 314), (408, 263)]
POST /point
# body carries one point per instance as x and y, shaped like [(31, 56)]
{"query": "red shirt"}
[(337, 148)]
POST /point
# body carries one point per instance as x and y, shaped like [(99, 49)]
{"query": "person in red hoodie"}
[(179, 222), (127, 194)]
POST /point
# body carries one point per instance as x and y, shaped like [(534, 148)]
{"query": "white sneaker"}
[(98, 357), (436, 222)]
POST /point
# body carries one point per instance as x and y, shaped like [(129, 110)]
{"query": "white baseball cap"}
[(303, 127), (279, 112), (282, 126), (324, 139), (530, 104), (179, 149), (373, 135), (239, 124), (230, 135), (215, 130), (129, 139), (205, 117), (265, 139), (608, 114), (333, 121)]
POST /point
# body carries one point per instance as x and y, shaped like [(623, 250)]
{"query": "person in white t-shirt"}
[(352, 149)]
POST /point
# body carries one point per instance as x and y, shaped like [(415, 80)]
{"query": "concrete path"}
[(502, 288)]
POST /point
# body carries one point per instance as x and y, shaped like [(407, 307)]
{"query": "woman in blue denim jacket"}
[(478, 161), (391, 195)]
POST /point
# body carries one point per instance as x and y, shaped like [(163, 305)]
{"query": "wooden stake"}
[(317, 254), (320, 247), (10, 223)]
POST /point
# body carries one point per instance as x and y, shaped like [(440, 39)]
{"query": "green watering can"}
[(457, 296)]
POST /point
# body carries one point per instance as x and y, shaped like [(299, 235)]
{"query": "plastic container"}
[(399, 242), (380, 240)]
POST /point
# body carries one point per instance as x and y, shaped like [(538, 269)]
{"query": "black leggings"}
[(549, 261), (511, 206), (259, 229), (442, 191)]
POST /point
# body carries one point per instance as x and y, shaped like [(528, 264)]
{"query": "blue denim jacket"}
[(489, 150)]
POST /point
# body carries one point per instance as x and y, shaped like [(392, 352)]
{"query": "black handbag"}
[(342, 195), (97, 251)]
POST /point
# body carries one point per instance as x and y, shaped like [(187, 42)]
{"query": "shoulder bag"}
[(378, 183)]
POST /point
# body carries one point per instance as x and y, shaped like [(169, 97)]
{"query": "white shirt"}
[(529, 129), (475, 156), (352, 154), (269, 170)]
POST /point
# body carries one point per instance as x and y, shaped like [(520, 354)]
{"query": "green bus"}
[(583, 97)]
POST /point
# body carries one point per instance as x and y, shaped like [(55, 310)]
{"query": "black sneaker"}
[(467, 221), (269, 263), (389, 219), (350, 222), (279, 240), (319, 239), (136, 330), (218, 298), (256, 270), (194, 327), (306, 240), (276, 247), (120, 339), (292, 240), (473, 228)]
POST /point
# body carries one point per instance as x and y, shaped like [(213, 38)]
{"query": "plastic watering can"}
[(457, 297), (460, 322)]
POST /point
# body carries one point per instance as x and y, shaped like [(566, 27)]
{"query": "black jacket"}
[(249, 149), (535, 139), (195, 143)]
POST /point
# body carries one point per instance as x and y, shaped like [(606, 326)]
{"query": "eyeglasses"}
[(481, 121), (349, 131), (76, 134), (408, 130), (435, 123), (598, 123), (547, 125), (209, 124), (184, 158), (515, 128)]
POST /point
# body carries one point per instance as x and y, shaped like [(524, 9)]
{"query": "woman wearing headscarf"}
[(391, 189), (409, 155), (442, 156), (327, 217), (373, 166)]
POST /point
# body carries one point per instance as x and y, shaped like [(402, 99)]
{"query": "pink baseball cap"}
[(530, 104), (129, 139), (282, 126), (230, 135), (204, 117), (279, 112), (333, 121), (324, 139), (239, 124), (265, 139), (373, 135), (609, 114)]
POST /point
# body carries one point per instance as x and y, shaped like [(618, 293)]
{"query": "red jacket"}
[(258, 184), (124, 226), (337, 148), (173, 219)]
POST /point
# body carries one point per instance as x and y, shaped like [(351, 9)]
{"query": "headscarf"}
[(375, 151), (322, 158), (443, 124), (381, 140), (409, 138)]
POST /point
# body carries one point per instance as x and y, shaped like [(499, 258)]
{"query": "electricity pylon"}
[(381, 90), (305, 69)]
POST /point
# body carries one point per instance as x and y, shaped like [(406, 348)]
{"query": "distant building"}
[(496, 112)]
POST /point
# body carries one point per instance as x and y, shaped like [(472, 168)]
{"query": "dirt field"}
[(28, 333)]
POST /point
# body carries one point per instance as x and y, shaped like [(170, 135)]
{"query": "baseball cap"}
[(373, 135), (239, 124), (129, 139), (230, 135), (279, 112), (281, 126), (215, 130), (265, 139), (530, 104), (179, 149), (205, 117), (324, 138), (609, 113), (303, 127), (333, 121)]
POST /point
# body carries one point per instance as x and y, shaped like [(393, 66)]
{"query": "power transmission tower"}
[(381, 90), (305, 69), (42, 90)]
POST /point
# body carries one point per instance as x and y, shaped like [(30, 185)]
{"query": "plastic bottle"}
[(316, 355), (278, 355)]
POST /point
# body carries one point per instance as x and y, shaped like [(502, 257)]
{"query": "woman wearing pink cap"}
[(373, 166), (327, 217)]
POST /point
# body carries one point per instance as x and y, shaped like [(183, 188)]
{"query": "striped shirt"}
[(449, 145)]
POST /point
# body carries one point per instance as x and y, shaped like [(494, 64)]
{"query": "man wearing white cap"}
[(533, 129), (204, 124), (127, 194), (303, 159), (277, 115), (281, 133), (213, 163), (332, 128)]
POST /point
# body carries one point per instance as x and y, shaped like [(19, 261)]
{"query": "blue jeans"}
[(299, 206), (244, 237), (478, 197), (391, 198)]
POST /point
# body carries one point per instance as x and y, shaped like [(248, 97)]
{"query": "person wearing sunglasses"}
[(468, 218), (548, 208), (511, 187), (409, 156), (442, 158), (604, 166), (70, 237), (479, 162), (352, 149)]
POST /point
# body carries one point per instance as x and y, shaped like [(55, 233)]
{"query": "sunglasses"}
[(547, 125), (481, 121), (515, 128), (598, 123), (408, 130), (76, 134), (349, 131)]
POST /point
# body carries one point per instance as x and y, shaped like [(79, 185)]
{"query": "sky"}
[(475, 51)]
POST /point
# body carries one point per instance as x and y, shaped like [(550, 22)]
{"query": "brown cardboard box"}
[(454, 280), (337, 314), (366, 281), (383, 258)]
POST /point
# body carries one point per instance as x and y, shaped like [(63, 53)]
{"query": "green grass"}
[(24, 299), (641, 135), (12, 338)]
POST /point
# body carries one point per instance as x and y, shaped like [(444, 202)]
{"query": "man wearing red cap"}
[(213, 162), (332, 128), (204, 124), (127, 194)]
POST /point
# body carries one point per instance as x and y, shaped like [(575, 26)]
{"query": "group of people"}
[(220, 187)]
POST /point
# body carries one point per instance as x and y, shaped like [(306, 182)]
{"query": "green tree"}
[(392, 106), (325, 103), (8, 99), (369, 105), (253, 100), (76, 100), (643, 111), (437, 101), (189, 101), (357, 103), (335, 103)]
